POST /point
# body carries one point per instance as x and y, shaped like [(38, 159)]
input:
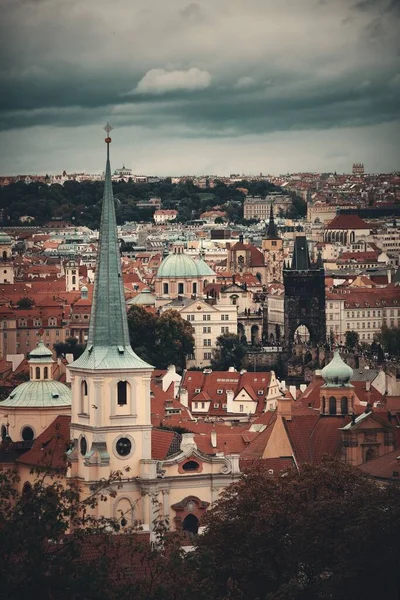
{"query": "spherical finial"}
[(107, 140), (107, 129)]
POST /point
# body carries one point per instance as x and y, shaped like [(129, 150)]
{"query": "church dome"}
[(177, 264), (145, 298), (5, 239), (337, 372), (203, 269), (39, 394)]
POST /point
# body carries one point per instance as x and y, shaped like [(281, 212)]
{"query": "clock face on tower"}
[(123, 446)]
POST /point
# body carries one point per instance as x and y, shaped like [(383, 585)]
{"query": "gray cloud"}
[(214, 70)]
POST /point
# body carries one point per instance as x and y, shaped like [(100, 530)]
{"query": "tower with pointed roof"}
[(304, 306), (110, 421), (272, 246)]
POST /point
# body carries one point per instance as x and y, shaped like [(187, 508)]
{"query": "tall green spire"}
[(108, 344)]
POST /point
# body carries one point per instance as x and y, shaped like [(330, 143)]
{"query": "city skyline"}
[(195, 88)]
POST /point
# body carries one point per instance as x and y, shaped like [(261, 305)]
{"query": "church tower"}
[(304, 281), (71, 276), (111, 418), (272, 246), (6, 265)]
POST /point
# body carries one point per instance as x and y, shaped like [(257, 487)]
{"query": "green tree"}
[(25, 303), (70, 346), (174, 340), (229, 352), (302, 537), (142, 333), (351, 339), (390, 339)]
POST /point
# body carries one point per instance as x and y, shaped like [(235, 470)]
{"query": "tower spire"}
[(108, 339), (272, 232)]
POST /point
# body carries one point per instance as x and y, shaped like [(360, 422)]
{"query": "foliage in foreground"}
[(326, 533)]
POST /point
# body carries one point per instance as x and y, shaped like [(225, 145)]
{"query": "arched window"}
[(332, 405), (165, 288), (84, 398), (37, 372), (26, 490), (122, 393), (323, 405), (73, 280), (344, 405), (191, 525), (180, 288), (234, 300), (4, 254), (46, 373), (3, 432), (194, 287), (370, 454), (27, 434)]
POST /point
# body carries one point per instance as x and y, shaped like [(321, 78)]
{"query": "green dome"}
[(203, 269), (145, 298), (41, 354), (337, 373), (5, 239), (39, 394), (178, 265)]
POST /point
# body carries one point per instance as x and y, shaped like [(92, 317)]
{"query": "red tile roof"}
[(347, 222), (50, 447)]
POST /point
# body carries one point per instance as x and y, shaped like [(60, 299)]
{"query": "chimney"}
[(389, 275), (284, 408), (213, 438), (184, 397), (367, 386)]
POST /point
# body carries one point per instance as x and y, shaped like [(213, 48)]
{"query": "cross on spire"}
[(108, 128)]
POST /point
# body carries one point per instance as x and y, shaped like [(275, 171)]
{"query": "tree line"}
[(80, 202)]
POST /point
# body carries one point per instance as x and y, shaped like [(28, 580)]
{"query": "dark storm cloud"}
[(223, 68)]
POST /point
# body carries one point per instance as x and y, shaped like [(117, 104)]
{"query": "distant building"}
[(123, 172), (358, 169), (164, 216), (259, 208)]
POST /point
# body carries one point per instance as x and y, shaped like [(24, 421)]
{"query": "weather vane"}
[(107, 128)]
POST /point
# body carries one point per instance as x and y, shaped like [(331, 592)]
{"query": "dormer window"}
[(191, 465), (260, 392), (197, 390), (219, 392)]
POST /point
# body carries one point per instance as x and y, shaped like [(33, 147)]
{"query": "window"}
[(123, 446), (241, 408), (37, 371), (180, 288), (206, 317), (196, 405), (203, 405), (332, 405), (224, 329), (220, 392), (216, 405), (224, 317), (207, 342), (194, 288), (165, 288), (27, 434), (191, 465), (46, 373), (83, 446), (190, 318), (207, 355), (73, 280), (197, 390), (122, 393), (260, 392), (224, 406), (206, 329), (344, 406)]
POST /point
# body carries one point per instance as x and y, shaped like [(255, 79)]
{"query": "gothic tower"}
[(272, 246), (111, 419), (304, 285), (71, 276)]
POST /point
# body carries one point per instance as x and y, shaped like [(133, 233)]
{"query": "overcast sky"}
[(214, 86)]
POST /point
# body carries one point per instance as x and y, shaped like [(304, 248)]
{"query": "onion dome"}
[(177, 264), (5, 239), (145, 298), (337, 373)]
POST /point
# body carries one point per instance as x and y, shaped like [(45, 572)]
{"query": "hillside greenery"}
[(80, 203)]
